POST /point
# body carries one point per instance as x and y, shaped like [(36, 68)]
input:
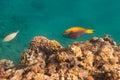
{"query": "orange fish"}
[(75, 32)]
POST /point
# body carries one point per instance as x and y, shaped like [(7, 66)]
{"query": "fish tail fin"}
[(17, 31), (90, 31)]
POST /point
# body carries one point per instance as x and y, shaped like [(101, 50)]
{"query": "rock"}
[(17, 75), (45, 45), (94, 59), (6, 63), (89, 78), (39, 47)]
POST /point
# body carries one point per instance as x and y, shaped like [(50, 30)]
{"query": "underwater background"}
[(50, 18)]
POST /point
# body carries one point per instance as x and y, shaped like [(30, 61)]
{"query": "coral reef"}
[(94, 59)]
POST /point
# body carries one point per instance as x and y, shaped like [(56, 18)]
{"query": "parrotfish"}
[(75, 32), (10, 36)]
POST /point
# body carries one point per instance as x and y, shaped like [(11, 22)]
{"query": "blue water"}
[(51, 17)]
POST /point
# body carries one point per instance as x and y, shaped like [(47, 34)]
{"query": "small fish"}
[(75, 32), (10, 36)]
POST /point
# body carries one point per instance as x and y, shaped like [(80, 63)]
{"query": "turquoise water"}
[(51, 17)]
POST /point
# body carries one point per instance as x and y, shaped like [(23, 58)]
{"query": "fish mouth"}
[(65, 36), (65, 33)]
